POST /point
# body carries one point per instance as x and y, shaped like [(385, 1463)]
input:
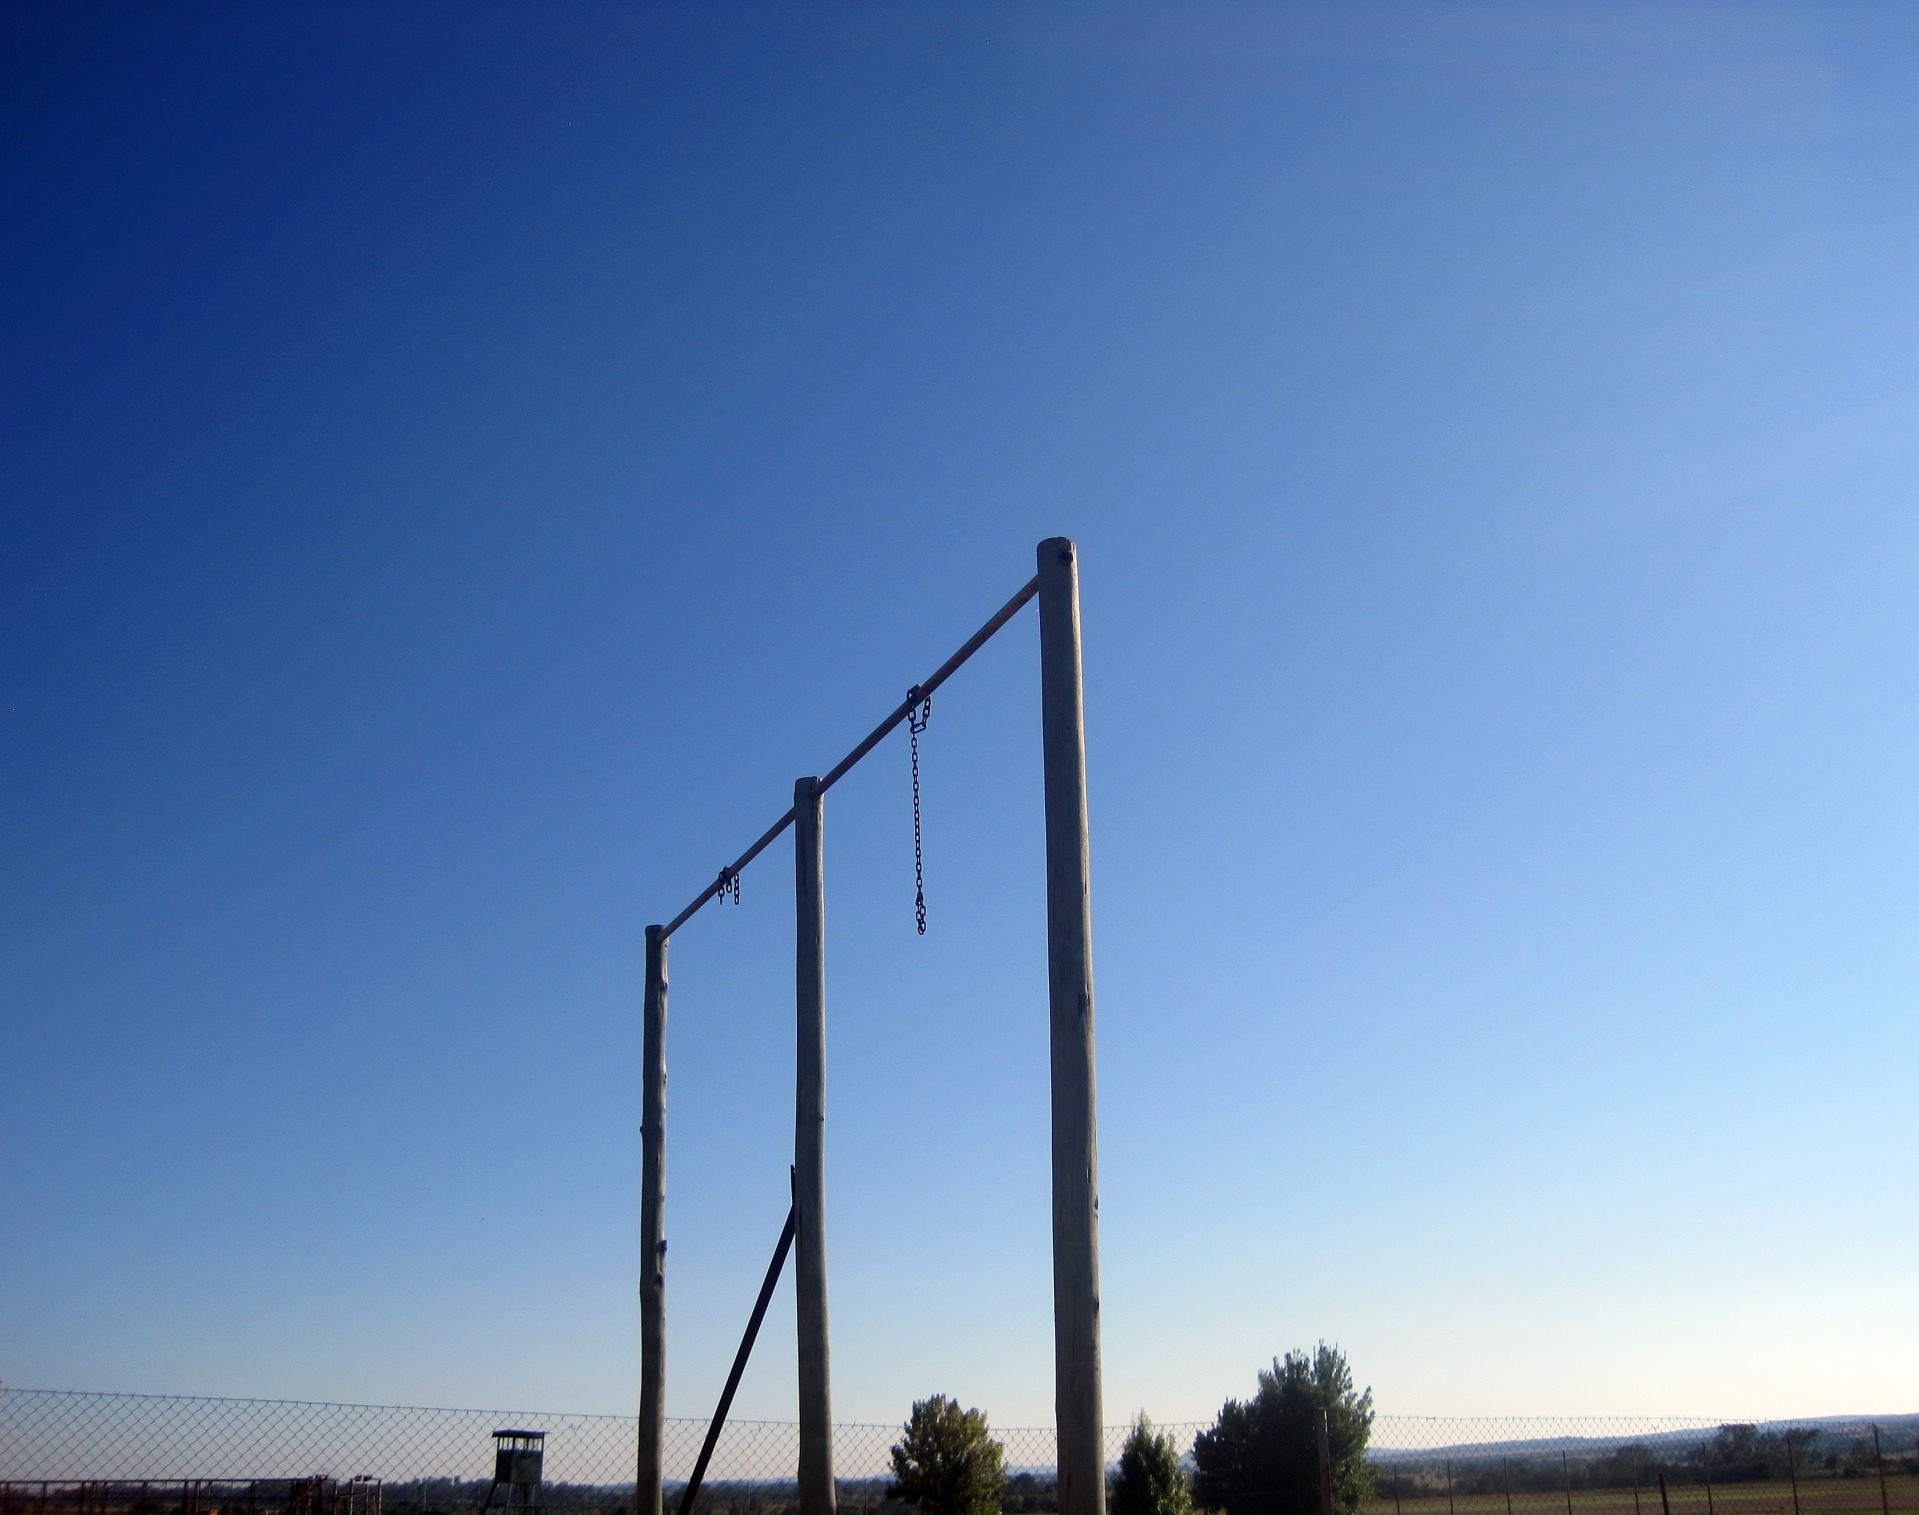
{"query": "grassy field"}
[(1817, 1496)]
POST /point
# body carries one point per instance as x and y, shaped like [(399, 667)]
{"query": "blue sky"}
[(462, 464)]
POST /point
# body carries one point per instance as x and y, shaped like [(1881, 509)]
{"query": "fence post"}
[(1879, 1457), (809, 1154), (1324, 1436), (1566, 1476), (1665, 1504), (1506, 1479), (1077, 1397), (647, 1476), (1635, 1483), (1792, 1467), (1448, 1464)]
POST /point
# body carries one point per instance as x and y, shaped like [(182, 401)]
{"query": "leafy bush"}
[(1150, 1480), (1261, 1457), (946, 1463)]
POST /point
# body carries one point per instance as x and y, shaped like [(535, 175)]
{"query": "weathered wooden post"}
[(646, 1487), (1069, 973), (809, 1154), (1324, 1436)]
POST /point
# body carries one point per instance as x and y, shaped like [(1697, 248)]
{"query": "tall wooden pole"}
[(1069, 973), (809, 1154), (646, 1488)]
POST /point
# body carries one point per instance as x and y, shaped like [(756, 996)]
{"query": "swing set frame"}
[(1075, 1207)]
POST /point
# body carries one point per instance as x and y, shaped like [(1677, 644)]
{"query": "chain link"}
[(916, 721), (729, 884)]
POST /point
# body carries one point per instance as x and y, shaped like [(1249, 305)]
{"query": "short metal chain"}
[(729, 884), (916, 723)]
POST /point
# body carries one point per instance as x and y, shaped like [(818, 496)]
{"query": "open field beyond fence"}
[(1816, 1494)]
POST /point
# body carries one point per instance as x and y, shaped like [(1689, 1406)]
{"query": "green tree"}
[(1150, 1479), (1261, 1457), (946, 1463)]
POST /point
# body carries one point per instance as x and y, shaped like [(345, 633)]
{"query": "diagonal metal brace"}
[(692, 1491)]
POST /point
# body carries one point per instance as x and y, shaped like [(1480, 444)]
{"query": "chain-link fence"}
[(71, 1453)]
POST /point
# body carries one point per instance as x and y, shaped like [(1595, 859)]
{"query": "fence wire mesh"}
[(65, 1452)]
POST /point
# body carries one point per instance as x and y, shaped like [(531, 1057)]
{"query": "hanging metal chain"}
[(916, 721), (729, 884)]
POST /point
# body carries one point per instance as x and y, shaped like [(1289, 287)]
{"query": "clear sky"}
[(461, 464)]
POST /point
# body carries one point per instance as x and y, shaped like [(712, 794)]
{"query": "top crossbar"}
[(839, 770)]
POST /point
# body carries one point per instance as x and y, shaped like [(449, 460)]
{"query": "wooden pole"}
[(1069, 972), (1325, 1440), (809, 1154), (646, 1486)]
